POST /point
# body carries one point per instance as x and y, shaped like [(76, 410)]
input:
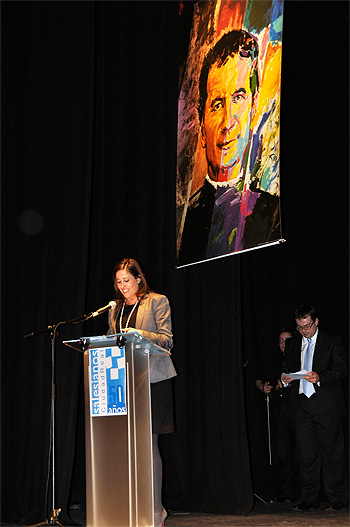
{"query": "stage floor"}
[(277, 514)]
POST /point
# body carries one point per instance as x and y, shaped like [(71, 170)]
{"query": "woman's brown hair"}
[(133, 267)]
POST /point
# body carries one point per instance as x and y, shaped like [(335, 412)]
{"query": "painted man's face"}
[(227, 116)]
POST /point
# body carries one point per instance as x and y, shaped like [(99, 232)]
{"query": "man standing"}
[(319, 403)]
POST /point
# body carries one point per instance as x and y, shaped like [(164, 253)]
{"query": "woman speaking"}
[(140, 309)]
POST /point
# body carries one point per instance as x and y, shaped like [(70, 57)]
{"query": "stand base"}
[(261, 499), (52, 520)]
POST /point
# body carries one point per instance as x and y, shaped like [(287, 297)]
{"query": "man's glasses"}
[(307, 326)]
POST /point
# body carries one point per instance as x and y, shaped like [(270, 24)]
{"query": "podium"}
[(118, 429)]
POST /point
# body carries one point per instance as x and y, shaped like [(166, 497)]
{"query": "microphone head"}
[(113, 304)]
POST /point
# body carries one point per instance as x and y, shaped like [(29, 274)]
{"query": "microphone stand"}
[(53, 517), (268, 425), (254, 494), (269, 437)]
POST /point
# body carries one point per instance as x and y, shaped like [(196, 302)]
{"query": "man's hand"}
[(286, 379), (312, 376)]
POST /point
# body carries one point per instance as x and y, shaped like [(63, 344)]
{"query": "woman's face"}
[(128, 285), (285, 335)]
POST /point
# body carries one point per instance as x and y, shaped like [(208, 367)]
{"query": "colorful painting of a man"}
[(227, 209)]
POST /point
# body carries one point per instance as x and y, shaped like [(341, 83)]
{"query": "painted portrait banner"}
[(228, 131)]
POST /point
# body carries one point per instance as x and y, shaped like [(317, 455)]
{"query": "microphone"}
[(111, 305)]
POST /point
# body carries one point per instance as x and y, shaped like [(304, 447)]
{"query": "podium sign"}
[(107, 381), (118, 429)]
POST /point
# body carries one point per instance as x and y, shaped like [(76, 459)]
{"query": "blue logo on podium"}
[(107, 381)]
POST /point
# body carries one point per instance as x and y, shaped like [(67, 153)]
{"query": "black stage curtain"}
[(89, 116)]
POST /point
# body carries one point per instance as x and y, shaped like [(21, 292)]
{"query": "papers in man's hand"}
[(297, 375)]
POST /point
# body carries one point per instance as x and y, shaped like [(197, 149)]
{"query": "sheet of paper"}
[(296, 375)]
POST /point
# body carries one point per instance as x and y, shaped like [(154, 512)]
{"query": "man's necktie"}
[(308, 387)]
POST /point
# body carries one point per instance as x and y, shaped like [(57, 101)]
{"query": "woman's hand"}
[(267, 387), (133, 330)]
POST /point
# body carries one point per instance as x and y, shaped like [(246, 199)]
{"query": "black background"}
[(89, 120)]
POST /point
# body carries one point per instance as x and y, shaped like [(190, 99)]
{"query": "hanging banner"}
[(107, 381), (228, 131)]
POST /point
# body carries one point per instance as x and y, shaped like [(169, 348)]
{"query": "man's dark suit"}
[(318, 419)]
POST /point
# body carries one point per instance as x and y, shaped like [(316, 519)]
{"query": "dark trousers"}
[(286, 443), (322, 453)]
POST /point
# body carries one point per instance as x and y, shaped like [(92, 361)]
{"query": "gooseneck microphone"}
[(110, 305)]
